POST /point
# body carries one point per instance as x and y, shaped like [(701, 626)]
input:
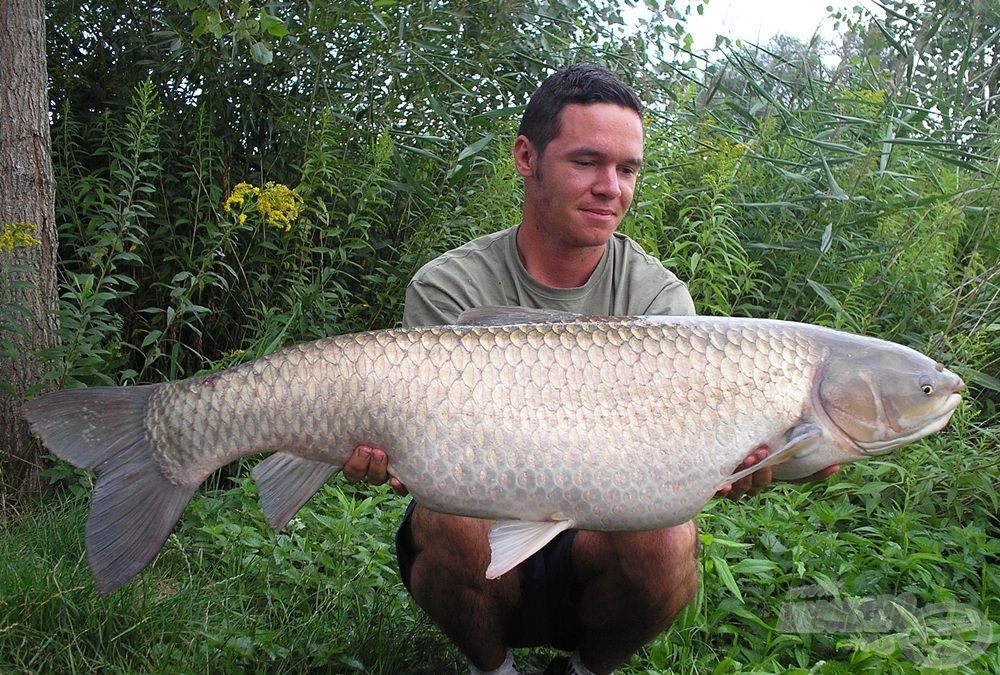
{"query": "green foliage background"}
[(855, 189)]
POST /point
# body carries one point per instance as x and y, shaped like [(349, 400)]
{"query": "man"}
[(599, 595)]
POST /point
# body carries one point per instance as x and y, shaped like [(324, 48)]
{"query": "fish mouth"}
[(882, 446)]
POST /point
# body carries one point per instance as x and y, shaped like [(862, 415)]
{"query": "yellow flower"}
[(241, 193), (276, 204), (17, 234)]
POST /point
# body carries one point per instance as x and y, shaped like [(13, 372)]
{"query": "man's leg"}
[(635, 585), (448, 581)]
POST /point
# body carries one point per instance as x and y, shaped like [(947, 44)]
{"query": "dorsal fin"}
[(496, 315)]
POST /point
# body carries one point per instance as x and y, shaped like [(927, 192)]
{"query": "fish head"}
[(879, 395)]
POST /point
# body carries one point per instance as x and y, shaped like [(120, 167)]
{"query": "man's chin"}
[(597, 232)]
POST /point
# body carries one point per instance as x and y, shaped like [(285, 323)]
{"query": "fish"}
[(542, 421)]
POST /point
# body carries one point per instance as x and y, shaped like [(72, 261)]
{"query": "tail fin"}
[(134, 507)]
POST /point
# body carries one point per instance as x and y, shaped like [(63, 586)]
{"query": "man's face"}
[(579, 189)]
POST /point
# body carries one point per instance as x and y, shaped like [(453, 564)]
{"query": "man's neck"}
[(554, 263)]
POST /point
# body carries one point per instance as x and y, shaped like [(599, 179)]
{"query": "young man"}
[(599, 595)]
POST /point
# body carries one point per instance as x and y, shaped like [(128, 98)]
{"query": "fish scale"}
[(542, 422)]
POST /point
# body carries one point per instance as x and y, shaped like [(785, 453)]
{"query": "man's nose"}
[(607, 182)]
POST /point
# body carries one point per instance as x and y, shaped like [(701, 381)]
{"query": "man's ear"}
[(525, 157)]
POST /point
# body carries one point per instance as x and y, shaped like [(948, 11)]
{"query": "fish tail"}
[(134, 507)]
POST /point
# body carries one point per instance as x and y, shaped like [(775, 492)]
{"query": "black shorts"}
[(548, 615)]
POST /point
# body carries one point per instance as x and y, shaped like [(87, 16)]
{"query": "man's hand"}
[(752, 484), (758, 480), (373, 464)]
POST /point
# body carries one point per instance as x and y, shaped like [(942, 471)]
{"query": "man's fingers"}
[(372, 464), (753, 483), (759, 480), (356, 466), (378, 466), (398, 487)]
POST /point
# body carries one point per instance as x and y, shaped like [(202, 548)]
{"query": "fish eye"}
[(928, 389)]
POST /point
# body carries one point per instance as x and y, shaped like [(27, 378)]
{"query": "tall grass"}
[(225, 595)]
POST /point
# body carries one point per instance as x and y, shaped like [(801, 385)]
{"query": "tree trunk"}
[(27, 270)]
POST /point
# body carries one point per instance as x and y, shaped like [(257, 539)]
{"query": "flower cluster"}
[(17, 234), (276, 204), (242, 193), (870, 101)]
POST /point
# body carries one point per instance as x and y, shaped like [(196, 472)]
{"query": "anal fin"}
[(514, 541), (285, 482)]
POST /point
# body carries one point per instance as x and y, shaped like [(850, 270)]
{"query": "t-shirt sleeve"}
[(646, 286), (475, 274), (673, 299), (429, 305)]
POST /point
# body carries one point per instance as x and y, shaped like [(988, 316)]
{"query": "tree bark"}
[(27, 272)]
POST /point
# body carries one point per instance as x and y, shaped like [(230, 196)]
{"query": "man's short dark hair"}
[(580, 83)]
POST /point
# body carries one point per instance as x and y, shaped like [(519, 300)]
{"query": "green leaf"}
[(827, 239), (475, 148), (726, 574), (984, 380), (261, 53), (824, 293), (272, 25)]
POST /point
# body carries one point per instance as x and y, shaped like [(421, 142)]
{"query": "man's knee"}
[(665, 567), (448, 581), (652, 574), (452, 541), (451, 555)]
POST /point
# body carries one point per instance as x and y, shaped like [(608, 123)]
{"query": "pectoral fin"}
[(285, 482), (514, 541), (801, 438)]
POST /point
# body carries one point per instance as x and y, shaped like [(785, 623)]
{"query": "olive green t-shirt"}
[(488, 271)]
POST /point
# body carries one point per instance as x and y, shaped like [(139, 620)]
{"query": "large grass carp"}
[(515, 416)]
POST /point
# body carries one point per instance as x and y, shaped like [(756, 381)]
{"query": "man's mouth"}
[(603, 213)]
